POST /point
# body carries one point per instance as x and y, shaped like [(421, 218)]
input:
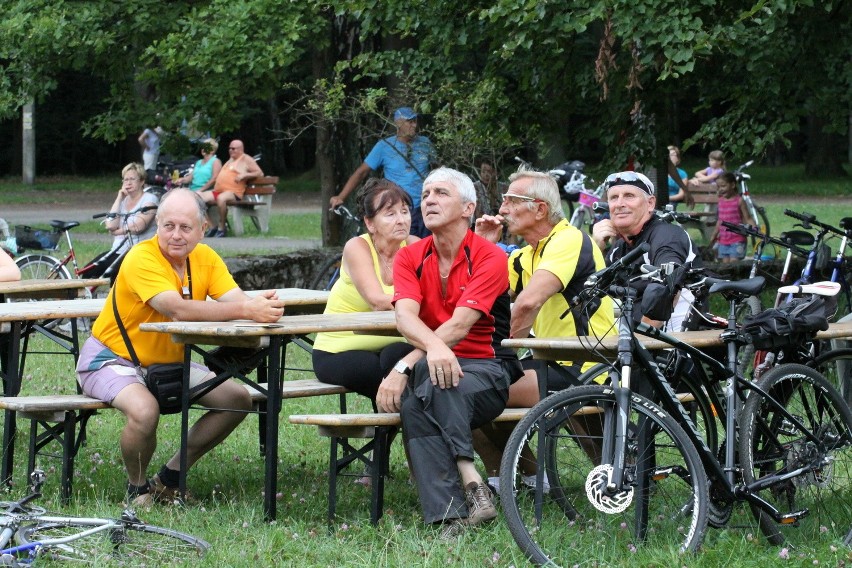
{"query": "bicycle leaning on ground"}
[(104, 265), (39, 534), (640, 472), (328, 273)]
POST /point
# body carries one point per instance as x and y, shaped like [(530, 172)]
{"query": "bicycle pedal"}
[(792, 519)]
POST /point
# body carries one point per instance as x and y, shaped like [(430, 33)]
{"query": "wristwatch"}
[(402, 368)]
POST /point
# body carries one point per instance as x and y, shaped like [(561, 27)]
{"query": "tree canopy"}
[(612, 78)]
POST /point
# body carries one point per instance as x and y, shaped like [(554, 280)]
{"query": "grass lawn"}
[(228, 484)]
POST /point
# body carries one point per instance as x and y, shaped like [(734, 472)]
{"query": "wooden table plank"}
[(47, 288)]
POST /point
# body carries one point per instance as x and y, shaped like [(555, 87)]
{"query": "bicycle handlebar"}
[(808, 219), (749, 231), (112, 215), (604, 277)]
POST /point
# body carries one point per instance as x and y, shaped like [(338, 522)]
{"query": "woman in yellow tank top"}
[(356, 361)]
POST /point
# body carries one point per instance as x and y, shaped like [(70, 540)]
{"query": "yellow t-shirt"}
[(571, 256), (344, 299), (145, 273)]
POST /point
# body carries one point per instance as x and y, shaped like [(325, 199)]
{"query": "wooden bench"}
[(378, 429), (256, 205), (63, 418), (706, 197)]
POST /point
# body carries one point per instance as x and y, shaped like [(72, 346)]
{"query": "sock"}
[(136, 490), (169, 477)]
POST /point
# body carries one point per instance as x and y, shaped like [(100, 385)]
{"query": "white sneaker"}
[(529, 481)]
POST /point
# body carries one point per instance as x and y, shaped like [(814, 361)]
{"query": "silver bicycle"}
[(29, 532)]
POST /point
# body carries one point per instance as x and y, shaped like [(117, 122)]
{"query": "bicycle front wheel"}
[(131, 542), (327, 275), (663, 501), (34, 266), (817, 444)]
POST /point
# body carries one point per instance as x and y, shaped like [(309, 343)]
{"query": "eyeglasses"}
[(131, 180), (513, 198), (233, 148), (629, 178)]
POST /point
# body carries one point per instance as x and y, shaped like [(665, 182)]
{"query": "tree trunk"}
[(322, 68), (822, 159)]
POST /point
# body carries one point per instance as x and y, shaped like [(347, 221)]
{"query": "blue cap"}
[(404, 113)]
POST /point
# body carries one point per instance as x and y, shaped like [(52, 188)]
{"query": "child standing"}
[(716, 165), (732, 208)]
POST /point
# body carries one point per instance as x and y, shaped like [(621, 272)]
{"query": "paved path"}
[(81, 207)]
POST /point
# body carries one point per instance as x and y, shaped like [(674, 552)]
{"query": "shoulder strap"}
[(186, 291), (403, 156), (123, 331)]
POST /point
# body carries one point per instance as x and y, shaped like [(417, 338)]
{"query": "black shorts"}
[(559, 377)]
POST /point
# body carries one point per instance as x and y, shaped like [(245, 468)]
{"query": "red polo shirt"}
[(478, 279)]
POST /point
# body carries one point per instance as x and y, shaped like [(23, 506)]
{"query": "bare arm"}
[(9, 271), (217, 167), (528, 303), (354, 180), (143, 141), (233, 305), (252, 169), (358, 263), (745, 215)]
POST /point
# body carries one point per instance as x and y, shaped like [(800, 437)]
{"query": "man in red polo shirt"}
[(452, 304)]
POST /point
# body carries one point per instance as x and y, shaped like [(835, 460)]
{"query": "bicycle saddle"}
[(749, 287), (64, 225), (798, 238)]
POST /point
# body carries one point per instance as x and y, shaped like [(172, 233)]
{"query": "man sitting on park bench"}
[(167, 278), (452, 304), (231, 183)]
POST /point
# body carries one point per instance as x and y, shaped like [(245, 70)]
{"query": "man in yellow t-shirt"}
[(166, 278), (543, 278)]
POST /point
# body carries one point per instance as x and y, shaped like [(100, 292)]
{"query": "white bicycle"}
[(126, 540)]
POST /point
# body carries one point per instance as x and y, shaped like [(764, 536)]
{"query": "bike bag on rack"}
[(789, 324)]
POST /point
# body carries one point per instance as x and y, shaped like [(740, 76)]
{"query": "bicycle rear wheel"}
[(34, 266), (131, 542), (663, 503), (771, 444)]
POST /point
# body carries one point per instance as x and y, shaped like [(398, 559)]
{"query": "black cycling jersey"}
[(669, 243)]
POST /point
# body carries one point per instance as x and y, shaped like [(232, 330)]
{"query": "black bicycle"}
[(634, 471)]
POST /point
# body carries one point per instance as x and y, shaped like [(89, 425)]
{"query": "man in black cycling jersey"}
[(632, 221)]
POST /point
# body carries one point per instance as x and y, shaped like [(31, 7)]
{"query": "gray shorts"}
[(106, 381)]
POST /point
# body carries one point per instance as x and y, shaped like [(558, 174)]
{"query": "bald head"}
[(184, 201)]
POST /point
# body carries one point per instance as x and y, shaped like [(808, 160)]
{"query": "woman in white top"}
[(132, 199)]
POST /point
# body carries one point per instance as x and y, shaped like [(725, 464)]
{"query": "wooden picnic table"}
[(274, 338), (40, 288), (604, 350)]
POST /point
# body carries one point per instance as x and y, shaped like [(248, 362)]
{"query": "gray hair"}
[(460, 181), (542, 187), (199, 202)]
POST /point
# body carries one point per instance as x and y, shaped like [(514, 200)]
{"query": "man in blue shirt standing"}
[(405, 158)]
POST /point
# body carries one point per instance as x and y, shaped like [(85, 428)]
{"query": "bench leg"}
[(261, 218), (332, 483), (64, 433), (237, 217)]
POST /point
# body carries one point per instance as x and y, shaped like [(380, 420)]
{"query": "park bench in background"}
[(256, 205), (705, 208), (378, 429)]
